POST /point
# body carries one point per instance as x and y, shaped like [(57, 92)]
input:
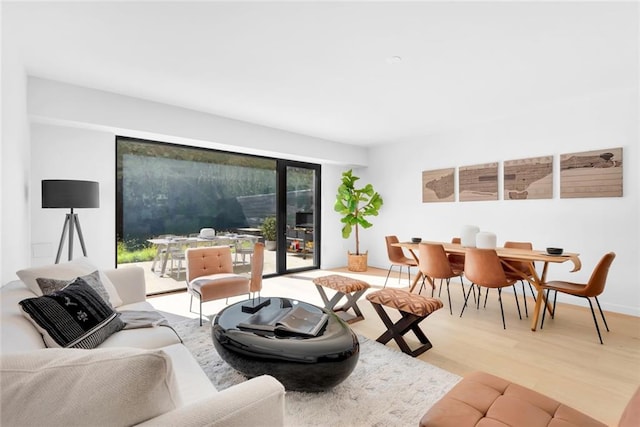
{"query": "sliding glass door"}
[(166, 193), (299, 224)]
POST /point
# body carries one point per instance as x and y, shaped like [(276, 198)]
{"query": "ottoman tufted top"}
[(339, 283), (405, 301)]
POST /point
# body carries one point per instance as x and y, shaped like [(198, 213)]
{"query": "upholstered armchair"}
[(210, 274)]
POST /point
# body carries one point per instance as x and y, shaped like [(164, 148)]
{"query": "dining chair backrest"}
[(257, 266), (395, 253), (433, 261), (208, 260), (598, 278), (483, 267), (519, 265)]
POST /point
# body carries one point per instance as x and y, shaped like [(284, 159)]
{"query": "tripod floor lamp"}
[(70, 194)]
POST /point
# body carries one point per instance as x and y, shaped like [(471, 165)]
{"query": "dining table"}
[(166, 244), (528, 256)]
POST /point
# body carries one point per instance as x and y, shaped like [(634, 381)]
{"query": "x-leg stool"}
[(345, 287), (413, 308)]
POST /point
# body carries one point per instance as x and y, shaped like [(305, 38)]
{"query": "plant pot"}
[(270, 245), (357, 262)]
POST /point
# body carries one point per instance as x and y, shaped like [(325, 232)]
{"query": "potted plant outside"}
[(269, 233), (355, 204)]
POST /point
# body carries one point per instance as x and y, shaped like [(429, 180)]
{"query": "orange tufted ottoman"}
[(482, 399), (346, 287), (414, 309)]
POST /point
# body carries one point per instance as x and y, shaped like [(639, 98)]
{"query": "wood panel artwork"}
[(591, 174), (438, 185), (528, 178), (478, 182)]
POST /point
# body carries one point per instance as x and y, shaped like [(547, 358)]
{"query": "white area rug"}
[(387, 387)]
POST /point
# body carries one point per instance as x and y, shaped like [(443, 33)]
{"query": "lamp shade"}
[(65, 193)]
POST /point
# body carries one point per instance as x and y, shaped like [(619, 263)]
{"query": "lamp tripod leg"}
[(80, 237), (64, 233)]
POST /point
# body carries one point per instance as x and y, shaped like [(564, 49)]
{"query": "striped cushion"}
[(75, 316), (405, 301), (51, 285)]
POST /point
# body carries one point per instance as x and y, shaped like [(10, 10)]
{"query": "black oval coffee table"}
[(299, 363)]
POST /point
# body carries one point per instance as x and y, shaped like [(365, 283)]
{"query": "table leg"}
[(156, 258), (537, 283), (418, 275)]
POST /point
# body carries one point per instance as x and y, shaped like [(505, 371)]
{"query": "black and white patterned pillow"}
[(48, 286), (75, 316)]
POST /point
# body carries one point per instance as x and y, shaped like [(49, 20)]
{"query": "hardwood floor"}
[(564, 360)]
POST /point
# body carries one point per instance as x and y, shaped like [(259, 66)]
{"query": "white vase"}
[(468, 235), (486, 240)]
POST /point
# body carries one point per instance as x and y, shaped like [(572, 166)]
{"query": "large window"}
[(172, 191)]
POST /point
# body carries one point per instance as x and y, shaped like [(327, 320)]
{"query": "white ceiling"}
[(323, 69)]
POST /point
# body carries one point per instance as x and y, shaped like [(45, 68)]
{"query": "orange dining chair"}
[(483, 268), (522, 267), (398, 258), (433, 263), (456, 260), (593, 288)]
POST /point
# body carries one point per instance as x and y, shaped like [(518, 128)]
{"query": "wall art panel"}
[(591, 174), (438, 185), (530, 178), (478, 182)]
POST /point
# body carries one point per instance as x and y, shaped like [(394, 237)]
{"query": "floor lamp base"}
[(71, 222)]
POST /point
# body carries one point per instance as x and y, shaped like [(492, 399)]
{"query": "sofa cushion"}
[(48, 285), (193, 384), (74, 316), (67, 271), (58, 387), (17, 334)]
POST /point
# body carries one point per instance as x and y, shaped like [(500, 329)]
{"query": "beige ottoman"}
[(345, 287), (414, 309)]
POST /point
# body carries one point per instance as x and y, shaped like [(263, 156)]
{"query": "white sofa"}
[(192, 399)]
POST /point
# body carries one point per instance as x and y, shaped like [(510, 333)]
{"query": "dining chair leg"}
[(409, 274), (532, 292), (553, 311), (388, 273), (504, 325), (449, 295), (515, 294), (595, 321), (440, 289), (602, 314), (524, 298), (544, 307), (465, 299), (485, 297), (200, 312)]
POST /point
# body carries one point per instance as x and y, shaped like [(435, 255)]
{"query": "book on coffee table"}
[(293, 320)]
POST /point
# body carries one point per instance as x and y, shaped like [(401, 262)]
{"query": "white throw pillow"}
[(67, 271), (70, 387)]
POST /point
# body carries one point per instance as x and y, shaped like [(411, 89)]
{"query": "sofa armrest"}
[(129, 282), (258, 401)]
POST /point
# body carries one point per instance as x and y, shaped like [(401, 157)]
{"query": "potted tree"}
[(269, 233), (355, 204)]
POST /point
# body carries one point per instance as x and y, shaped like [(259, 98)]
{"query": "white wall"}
[(15, 165), (591, 227), (70, 153)]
